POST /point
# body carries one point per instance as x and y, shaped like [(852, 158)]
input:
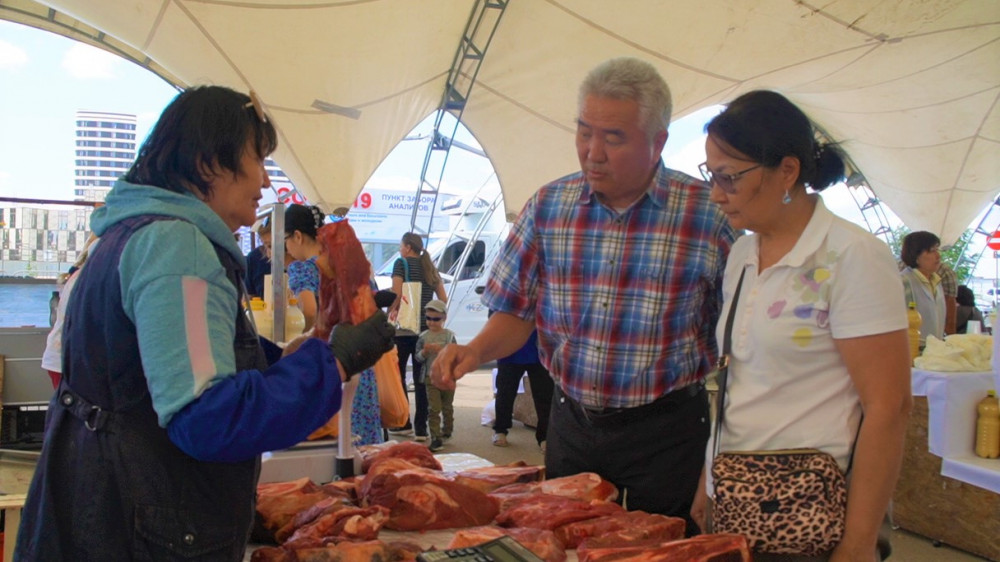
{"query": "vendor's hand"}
[(359, 347), (453, 363), (295, 343)]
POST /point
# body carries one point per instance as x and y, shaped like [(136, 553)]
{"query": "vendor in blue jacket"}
[(168, 397)]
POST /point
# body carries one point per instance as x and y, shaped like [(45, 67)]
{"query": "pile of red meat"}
[(404, 489)]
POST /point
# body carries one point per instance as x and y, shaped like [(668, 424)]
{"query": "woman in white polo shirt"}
[(818, 337), (921, 252)]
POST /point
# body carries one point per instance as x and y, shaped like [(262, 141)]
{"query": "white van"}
[(464, 264)]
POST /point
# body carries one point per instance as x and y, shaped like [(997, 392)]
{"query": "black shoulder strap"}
[(722, 372)]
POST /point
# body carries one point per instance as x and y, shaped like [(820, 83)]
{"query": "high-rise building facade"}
[(105, 149), (42, 240)]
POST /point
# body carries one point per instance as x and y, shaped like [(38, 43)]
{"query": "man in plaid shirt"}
[(620, 268)]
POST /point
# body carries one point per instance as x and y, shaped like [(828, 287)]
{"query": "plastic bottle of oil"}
[(262, 317), (913, 329), (295, 321), (988, 427)]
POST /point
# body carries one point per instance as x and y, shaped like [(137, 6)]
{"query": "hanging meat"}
[(345, 295)]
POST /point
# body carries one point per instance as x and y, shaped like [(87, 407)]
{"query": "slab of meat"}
[(346, 296), (541, 542), (703, 548), (278, 502), (622, 529), (367, 551), (310, 514), (583, 486), (546, 511), (346, 488), (487, 479), (410, 451), (422, 499), (339, 524)]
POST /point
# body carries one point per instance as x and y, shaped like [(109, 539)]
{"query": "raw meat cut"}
[(546, 511), (422, 499), (487, 479), (622, 529), (585, 486), (310, 514), (368, 551), (542, 542), (338, 524), (344, 488), (346, 296), (582, 486), (703, 548), (277, 504), (410, 451)]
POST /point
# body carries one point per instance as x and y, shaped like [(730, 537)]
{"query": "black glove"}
[(384, 298), (359, 347)]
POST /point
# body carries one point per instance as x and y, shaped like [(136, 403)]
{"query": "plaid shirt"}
[(625, 303), (949, 280)]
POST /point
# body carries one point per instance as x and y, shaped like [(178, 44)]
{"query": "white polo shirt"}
[(788, 386)]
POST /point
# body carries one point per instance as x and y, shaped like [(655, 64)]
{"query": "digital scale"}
[(503, 549)]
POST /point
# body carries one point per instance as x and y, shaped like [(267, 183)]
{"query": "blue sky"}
[(44, 80)]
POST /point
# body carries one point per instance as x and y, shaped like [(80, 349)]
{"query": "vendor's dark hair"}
[(203, 126), (431, 275), (305, 219), (916, 243), (767, 127), (965, 296)]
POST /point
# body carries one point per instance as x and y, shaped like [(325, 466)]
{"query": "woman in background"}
[(52, 356), (414, 264), (819, 350), (921, 253), (967, 312), (301, 225)]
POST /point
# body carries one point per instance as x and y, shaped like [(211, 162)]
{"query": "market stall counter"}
[(409, 501), (945, 492)]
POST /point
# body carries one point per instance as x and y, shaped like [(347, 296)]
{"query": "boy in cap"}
[(429, 344)]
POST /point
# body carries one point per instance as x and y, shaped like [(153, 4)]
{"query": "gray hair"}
[(628, 78)]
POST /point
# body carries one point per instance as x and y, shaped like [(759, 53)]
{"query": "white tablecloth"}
[(951, 423)]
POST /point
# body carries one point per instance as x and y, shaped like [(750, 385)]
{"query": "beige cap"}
[(437, 306)]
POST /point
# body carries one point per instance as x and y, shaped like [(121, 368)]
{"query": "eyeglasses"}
[(724, 181), (434, 318)]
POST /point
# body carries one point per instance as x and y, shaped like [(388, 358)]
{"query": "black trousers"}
[(508, 378), (406, 348), (653, 454)]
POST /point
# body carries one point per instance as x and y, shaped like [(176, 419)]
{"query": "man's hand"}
[(453, 363), (359, 347), (699, 505)]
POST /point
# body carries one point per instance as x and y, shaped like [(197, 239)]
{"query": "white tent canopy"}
[(909, 87)]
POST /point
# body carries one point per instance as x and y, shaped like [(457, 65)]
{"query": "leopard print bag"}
[(785, 502)]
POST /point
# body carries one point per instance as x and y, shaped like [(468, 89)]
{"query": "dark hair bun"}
[(829, 167)]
